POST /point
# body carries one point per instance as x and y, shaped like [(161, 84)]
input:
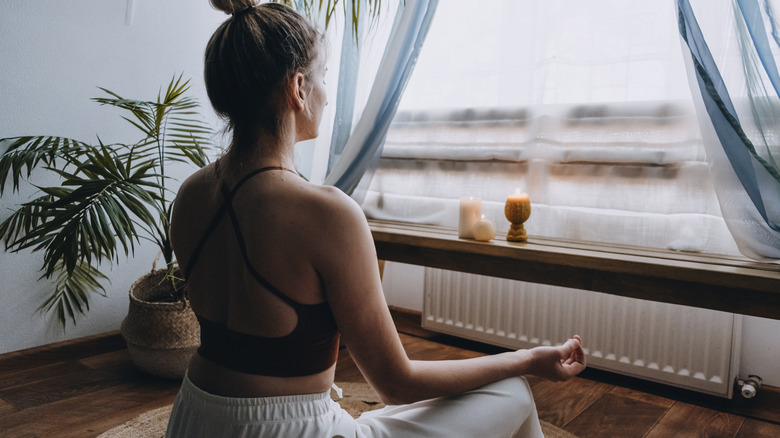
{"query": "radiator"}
[(696, 349)]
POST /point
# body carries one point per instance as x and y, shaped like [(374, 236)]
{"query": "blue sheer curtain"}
[(349, 66), (738, 97), (363, 146)]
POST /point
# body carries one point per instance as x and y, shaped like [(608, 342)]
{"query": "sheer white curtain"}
[(733, 50), (583, 105), (363, 148), (372, 72), (362, 68)]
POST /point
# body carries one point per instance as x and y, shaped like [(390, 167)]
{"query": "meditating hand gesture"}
[(558, 363)]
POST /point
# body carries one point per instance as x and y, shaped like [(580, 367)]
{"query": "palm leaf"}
[(24, 219), (24, 154), (99, 217), (71, 292), (141, 110)]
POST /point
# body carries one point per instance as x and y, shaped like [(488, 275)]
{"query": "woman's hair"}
[(249, 61)]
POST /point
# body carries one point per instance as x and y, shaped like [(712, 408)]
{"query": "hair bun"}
[(232, 6)]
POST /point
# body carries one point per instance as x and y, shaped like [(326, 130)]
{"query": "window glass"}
[(583, 105)]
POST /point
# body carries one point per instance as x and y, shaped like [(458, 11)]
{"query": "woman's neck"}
[(265, 151)]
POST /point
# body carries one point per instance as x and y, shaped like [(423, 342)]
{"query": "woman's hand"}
[(558, 363)]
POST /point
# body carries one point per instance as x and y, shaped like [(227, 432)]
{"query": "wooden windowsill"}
[(730, 284)]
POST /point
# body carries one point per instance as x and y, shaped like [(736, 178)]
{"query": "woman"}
[(278, 269)]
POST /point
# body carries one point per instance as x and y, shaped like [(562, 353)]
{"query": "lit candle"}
[(470, 209), (484, 230), (515, 204), (517, 210)]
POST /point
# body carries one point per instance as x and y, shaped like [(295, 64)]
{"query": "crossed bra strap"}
[(310, 348), (227, 206)]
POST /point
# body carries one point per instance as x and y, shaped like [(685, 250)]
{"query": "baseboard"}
[(61, 351)]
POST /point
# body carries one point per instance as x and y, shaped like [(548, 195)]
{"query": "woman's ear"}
[(297, 92)]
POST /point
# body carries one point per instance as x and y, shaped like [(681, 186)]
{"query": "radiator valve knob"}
[(751, 386)]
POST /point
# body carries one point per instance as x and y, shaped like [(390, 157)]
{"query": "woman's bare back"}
[(276, 215)]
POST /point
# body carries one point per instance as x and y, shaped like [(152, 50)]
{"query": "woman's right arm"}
[(345, 258)]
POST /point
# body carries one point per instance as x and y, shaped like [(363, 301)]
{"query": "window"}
[(583, 105)]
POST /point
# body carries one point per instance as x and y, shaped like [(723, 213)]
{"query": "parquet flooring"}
[(84, 387)]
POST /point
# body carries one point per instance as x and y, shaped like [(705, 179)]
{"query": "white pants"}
[(501, 409)]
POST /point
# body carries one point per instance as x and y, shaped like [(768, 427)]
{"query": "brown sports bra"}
[(311, 347)]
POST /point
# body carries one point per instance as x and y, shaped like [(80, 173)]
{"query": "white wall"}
[(403, 285), (53, 55)]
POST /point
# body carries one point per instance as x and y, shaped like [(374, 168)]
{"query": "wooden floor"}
[(83, 388)]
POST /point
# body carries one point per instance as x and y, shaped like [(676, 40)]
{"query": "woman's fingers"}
[(573, 358), (580, 350), (572, 347)]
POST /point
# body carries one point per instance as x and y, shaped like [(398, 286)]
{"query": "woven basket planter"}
[(161, 336)]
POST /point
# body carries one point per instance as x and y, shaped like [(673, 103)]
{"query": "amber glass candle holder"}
[(517, 210)]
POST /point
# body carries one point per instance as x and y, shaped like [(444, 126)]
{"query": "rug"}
[(357, 398)]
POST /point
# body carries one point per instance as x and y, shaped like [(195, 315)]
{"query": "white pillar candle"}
[(470, 210), (484, 230)]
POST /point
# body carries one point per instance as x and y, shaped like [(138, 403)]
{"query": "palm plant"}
[(351, 10), (111, 195)]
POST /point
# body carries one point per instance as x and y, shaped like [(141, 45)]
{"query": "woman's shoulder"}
[(334, 205), (328, 216), (199, 183), (337, 230), (196, 193)]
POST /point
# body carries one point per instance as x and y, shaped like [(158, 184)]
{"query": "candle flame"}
[(483, 217), (517, 191)]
